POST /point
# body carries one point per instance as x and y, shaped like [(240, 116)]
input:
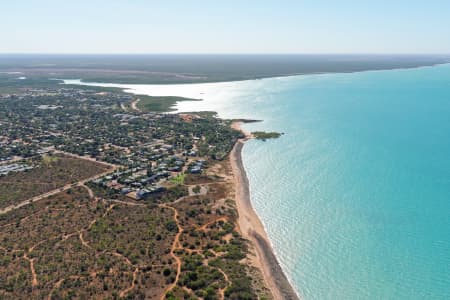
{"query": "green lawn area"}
[(179, 179)]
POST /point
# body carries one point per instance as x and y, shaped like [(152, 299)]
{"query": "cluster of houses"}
[(48, 107), (145, 178), (197, 166), (148, 177), (81, 94), (27, 145), (40, 117), (13, 168), (136, 183), (149, 148), (6, 158)]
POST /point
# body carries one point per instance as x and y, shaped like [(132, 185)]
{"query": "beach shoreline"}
[(253, 230)]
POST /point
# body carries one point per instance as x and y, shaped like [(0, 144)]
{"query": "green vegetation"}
[(211, 250), (49, 159), (83, 248), (159, 104), (9, 83), (196, 189), (262, 135), (179, 179)]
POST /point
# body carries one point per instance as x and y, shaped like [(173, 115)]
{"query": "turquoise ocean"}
[(355, 196)]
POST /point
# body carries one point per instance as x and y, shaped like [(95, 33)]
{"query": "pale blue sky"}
[(228, 26)]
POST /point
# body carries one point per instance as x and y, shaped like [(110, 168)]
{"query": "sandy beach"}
[(253, 230)]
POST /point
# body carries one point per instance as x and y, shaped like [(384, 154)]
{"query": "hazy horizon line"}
[(222, 53)]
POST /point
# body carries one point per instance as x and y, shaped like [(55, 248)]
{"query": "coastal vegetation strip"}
[(262, 135), (159, 104)]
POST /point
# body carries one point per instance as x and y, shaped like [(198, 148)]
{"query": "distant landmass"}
[(167, 69)]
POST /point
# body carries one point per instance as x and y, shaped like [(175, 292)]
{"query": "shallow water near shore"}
[(355, 196)]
